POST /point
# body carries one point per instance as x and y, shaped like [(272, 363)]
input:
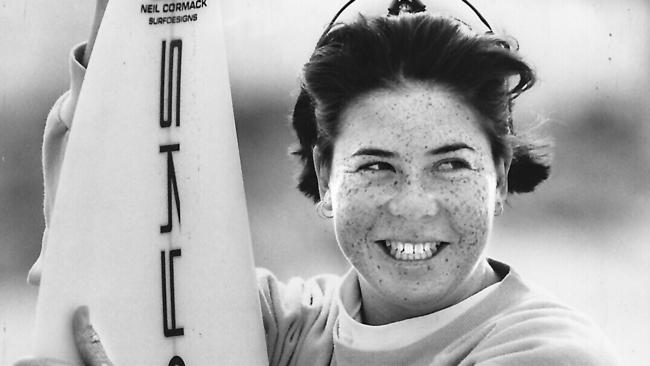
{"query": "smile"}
[(412, 251)]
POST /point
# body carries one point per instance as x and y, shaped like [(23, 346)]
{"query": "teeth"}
[(412, 251)]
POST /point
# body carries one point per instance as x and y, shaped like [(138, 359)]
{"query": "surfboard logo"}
[(170, 115)]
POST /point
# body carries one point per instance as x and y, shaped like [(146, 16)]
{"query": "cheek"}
[(357, 204), (469, 204)]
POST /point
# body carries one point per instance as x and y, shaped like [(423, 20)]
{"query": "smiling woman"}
[(407, 140), (414, 157), (408, 144)]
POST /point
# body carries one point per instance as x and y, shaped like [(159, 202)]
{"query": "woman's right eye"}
[(376, 167)]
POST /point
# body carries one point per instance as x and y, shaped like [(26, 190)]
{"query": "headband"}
[(398, 7)]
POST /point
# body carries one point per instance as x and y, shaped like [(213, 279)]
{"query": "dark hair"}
[(382, 52)]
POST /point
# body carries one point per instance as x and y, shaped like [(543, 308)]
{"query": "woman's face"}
[(413, 187)]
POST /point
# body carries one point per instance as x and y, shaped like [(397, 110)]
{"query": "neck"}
[(381, 309)]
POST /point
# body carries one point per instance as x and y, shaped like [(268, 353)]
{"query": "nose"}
[(413, 202)]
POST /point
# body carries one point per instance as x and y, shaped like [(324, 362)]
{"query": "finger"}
[(40, 362), (87, 340)]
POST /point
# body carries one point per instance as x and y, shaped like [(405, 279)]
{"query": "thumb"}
[(87, 341)]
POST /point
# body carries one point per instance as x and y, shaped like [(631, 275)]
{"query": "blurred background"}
[(582, 235)]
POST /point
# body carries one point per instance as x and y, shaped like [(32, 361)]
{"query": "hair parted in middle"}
[(369, 54)]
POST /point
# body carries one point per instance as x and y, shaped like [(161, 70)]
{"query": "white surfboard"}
[(150, 228)]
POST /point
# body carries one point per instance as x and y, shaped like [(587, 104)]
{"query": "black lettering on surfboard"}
[(184, 6), (170, 83), (174, 19), (149, 8), (176, 361), (172, 188), (169, 318)]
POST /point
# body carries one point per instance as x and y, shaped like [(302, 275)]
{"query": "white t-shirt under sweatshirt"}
[(317, 321)]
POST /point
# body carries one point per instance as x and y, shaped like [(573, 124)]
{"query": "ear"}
[(502, 166), (322, 169)]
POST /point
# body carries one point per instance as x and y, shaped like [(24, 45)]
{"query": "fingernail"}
[(81, 317), (83, 313)]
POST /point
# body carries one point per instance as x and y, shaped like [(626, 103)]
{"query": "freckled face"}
[(411, 165)]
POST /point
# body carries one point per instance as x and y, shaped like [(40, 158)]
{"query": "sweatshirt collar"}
[(352, 333)]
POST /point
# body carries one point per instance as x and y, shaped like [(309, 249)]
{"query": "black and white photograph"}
[(324, 183)]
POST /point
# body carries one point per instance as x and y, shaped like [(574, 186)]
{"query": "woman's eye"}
[(452, 165), (376, 167)]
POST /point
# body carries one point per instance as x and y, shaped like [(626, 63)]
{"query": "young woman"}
[(408, 145)]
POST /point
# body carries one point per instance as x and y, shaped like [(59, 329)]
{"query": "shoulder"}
[(536, 329)]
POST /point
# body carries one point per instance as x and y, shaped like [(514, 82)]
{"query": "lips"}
[(411, 251)]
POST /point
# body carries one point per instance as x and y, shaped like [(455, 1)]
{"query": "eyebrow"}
[(372, 151), (450, 148)]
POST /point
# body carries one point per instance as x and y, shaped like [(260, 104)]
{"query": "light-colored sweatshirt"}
[(317, 321)]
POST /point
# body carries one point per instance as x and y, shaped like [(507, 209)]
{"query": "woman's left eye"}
[(452, 165)]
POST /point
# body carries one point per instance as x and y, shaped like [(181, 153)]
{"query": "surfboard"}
[(150, 228)]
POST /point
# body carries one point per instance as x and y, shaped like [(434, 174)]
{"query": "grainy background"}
[(582, 235)]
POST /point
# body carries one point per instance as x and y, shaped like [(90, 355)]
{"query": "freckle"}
[(446, 259), (379, 267), (428, 268)]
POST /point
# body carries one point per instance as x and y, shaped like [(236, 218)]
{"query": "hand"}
[(100, 7), (85, 338)]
